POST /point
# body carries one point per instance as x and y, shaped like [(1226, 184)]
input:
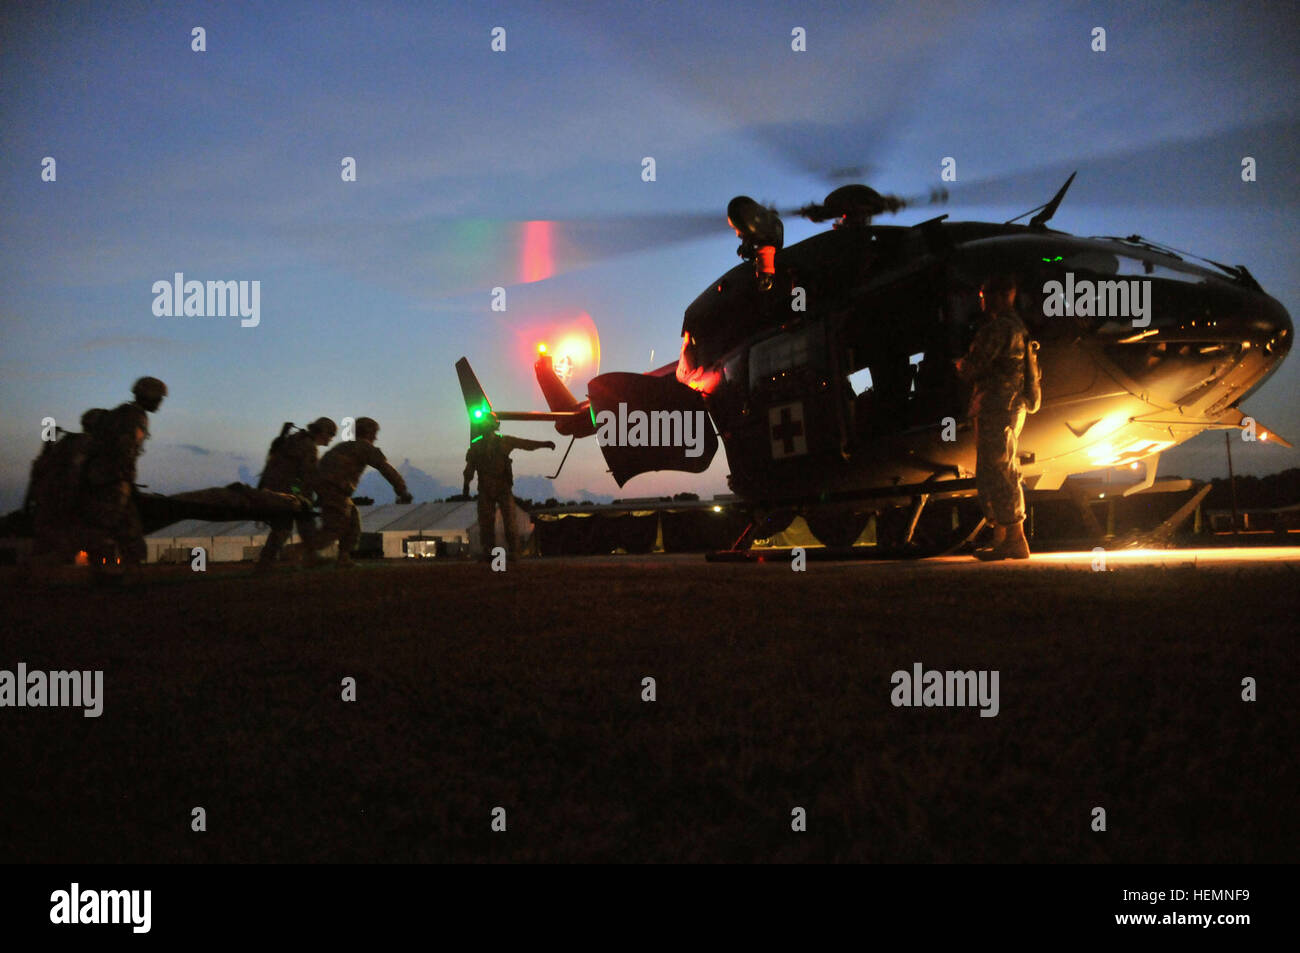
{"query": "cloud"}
[(201, 451)]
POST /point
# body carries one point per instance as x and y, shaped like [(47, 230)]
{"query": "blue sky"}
[(225, 165)]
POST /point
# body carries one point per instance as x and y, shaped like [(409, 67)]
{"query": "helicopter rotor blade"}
[(479, 253), (834, 153), (936, 196), (859, 199), (1202, 171)]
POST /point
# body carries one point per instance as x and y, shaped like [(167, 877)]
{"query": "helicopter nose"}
[(1252, 319), (1268, 326)]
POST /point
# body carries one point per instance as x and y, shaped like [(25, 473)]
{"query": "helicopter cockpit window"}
[(1145, 268), (777, 355), (1098, 262), (1089, 263)]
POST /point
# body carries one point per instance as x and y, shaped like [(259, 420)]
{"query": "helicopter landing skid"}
[(745, 540), (970, 538)]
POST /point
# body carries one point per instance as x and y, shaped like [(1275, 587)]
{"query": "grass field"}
[(523, 690)]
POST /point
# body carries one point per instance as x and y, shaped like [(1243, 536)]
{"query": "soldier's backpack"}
[(92, 444), (93, 419), (57, 474), (276, 445), (288, 428), (1033, 389)]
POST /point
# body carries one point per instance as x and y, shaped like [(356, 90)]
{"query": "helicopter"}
[(827, 368)]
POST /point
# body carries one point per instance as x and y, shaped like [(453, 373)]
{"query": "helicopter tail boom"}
[(568, 421)]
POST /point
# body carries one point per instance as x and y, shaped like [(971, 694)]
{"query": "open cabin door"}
[(894, 352)]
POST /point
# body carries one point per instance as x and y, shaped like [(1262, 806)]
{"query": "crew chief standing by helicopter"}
[(995, 366), (489, 457)]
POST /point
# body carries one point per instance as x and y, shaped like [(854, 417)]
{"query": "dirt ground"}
[(523, 690)]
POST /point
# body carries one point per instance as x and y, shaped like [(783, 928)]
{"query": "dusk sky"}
[(225, 165)]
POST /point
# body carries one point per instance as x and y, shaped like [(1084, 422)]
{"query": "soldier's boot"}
[(1013, 545), (999, 536)]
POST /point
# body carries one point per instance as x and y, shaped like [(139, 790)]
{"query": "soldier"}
[(995, 365), (489, 455), (336, 480), (109, 475), (291, 468)]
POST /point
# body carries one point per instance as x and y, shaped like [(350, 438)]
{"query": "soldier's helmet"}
[(367, 428), (323, 425), (493, 422), (149, 392)]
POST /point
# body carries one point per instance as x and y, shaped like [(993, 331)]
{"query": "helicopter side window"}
[(916, 361), (860, 381), (882, 384), (733, 368), (892, 375), (777, 356)]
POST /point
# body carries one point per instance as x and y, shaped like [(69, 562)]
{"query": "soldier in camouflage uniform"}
[(489, 456), (109, 476), (995, 366), (336, 480), (291, 468)]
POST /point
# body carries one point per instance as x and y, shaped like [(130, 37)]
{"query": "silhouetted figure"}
[(489, 457), (291, 466), (336, 480), (108, 504), (995, 365)]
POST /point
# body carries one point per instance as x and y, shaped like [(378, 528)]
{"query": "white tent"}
[(224, 542), (453, 522), (398, 526)]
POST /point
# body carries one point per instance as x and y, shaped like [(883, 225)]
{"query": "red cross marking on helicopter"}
[(787, 430)]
